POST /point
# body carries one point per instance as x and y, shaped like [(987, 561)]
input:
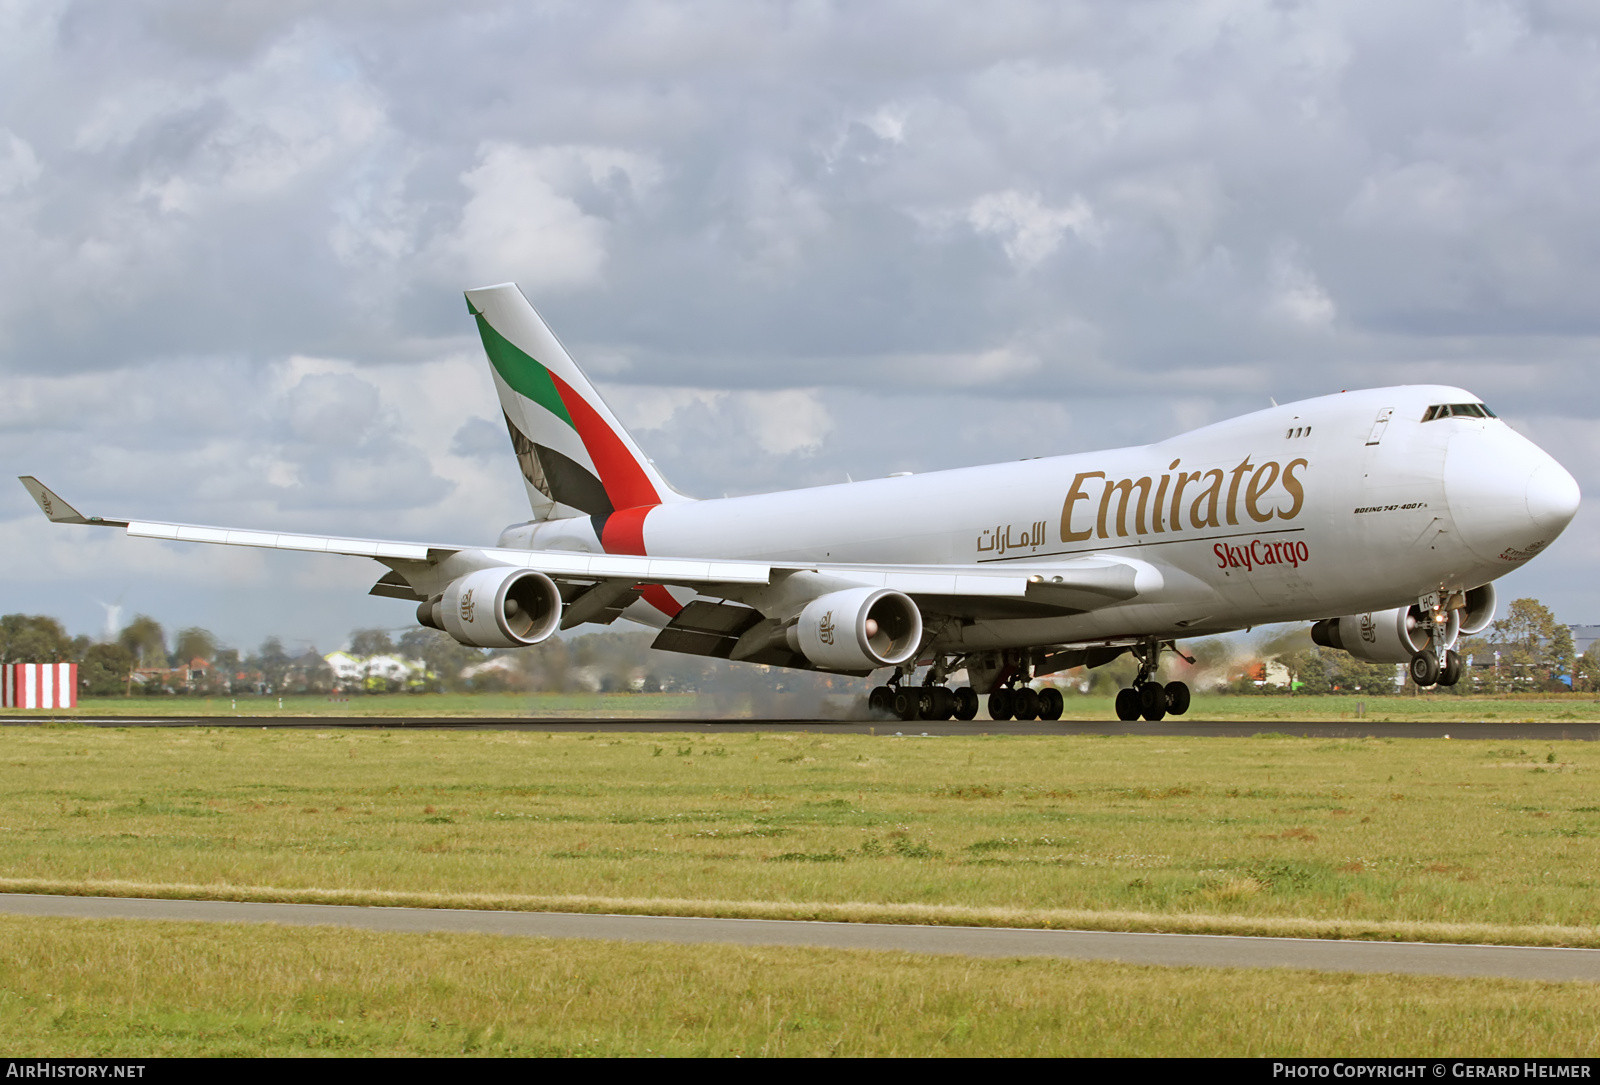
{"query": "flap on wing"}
[(729, 631), (601, 604), (394, 586), (707, 629)]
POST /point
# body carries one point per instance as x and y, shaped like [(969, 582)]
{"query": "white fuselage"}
[(1324, 507)]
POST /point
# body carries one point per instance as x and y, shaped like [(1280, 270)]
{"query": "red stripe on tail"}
[(625, 481), (624, 534)]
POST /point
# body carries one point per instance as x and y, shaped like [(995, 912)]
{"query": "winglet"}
[(56, 509)]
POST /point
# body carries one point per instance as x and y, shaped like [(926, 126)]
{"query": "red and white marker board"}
[(39, 685)]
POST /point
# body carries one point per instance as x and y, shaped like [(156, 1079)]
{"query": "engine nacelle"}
[(859, 629), (496, 608), (1384, 636), (1479, 610)]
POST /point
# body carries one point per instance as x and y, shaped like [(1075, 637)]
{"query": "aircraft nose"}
[(1508, 498), (1552, 497)]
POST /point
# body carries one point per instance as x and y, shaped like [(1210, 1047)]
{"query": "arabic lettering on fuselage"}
[(999, 539), (1272, 492)]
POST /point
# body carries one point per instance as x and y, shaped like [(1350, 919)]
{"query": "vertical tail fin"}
[(576, 458)]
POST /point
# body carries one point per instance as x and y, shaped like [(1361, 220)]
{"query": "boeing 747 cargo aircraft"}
[(1384, 516)]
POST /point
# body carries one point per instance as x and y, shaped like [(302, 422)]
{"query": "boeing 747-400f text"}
[(1383, 515)]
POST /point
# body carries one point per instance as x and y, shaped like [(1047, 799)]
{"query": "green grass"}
[(399, 705), (1436, 707), (129, 989), (1428, 707), (1391, 838)]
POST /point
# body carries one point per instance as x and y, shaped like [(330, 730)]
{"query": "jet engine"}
[(1385, 636), (1478, 611), (496, 608), (859, 629)]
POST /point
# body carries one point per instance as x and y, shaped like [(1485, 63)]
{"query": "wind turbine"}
[(113, 616)]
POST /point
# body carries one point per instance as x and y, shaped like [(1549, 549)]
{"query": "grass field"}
[(140, 989), (1409, 839), (1575, 707), (1384, 838)]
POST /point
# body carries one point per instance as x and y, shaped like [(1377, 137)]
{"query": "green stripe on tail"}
[(525, 375)]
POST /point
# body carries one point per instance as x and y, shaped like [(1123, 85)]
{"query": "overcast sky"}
[(791, 241)]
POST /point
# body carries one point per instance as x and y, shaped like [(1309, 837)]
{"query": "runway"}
[(1180, 950), (1457, 729)]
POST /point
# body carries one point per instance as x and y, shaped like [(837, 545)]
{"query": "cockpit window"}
[(1458, 410)]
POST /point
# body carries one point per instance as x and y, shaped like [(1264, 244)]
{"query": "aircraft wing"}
[(419, 570), (558, 564)]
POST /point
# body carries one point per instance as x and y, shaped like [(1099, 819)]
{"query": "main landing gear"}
[(1011, 698), (923, 702), (1026, 703), (940, 703), (1149, 698)]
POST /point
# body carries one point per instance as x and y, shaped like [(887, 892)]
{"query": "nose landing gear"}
[(1426, 669), (1439, 664), (1147, 697)]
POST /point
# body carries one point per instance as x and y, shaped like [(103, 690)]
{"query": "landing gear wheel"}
[(1025, 704), (880, 702), (1051, 704), (966, 703), (1425, 669), (1127, 705), (1450, 674), (1153, 701), (936, 703), (907, 703), (1177, 698), (1000, 702)]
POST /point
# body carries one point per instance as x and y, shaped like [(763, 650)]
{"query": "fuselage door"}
[(1380, 425)]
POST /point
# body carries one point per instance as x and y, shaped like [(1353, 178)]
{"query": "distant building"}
[(182, 677), (1583, 636), (385, 671)]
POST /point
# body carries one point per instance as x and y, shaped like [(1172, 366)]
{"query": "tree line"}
[(144, 659), (1526, 650), (139, 660)]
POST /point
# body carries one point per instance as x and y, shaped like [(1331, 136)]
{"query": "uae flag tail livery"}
[(576, 458)]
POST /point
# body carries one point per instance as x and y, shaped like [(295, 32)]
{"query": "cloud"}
[(996, 367), (19, 166), (523, 221), (332, 409), (797, 241), (793, 421), (1298, 296), (1029, 230), (479, 438)]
